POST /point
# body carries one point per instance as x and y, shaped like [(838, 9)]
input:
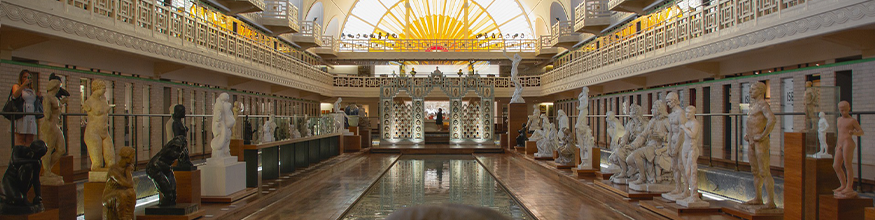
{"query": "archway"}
[(557, 14), (315, 12)]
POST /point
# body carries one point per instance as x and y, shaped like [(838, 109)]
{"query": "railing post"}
[(859, 157)]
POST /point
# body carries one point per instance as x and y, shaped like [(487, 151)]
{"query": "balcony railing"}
[(560, 30), (592, 13), (720, 16), (236, 6), (376, 82), (278, 16), (329, 42), (437, 45)]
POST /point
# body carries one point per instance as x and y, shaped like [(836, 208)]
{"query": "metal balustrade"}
[(720, 16), (437, 45), (377, 82), (592, 13)]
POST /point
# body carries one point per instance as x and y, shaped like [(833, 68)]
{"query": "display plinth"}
[(805, 177), (869, 213), (516, 117), (624, 191), (520, 149), (502, 141), (97, 175), (180, 211), (229, 198), (672, 210), (188, 186), (753, 212), (603, 175), (64, 168), (366, 138), (236, 148), (531, 147), (544, 158), (58, 197), (222, 176), (48, 214), (844, 209), (352, 143), (560, 166), (93, 198), (580, 174), (354, 130)]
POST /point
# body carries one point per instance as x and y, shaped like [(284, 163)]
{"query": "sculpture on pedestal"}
[(634, 127), (566, 150), (223, 121), (651, 156), (306, 132), (848, 127), (534, 120), (158, 169), (178, 127), (97, 138), (517, 96), (267, 130), (364, 121), (676, 120), (562, 119), (51, 134), (119, 197), (237, 109), (521, 138), (168, 127), (689, 154), (760, 122), (544, 139), (22, 175), (339, 116), (822, 126), (810, 98), (583, 131), (616, 130)]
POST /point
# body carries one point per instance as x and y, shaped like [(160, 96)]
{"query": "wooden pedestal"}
[(354, 130), (603, 175), (194, 215), (580, 174), (805, 178), (595, 163), (366, 138), (520, 149), (188, 186), (59, 198), (733, 211), (502, 140), (352, 143), (236, 148), (48, 214), (559, 166), (844, 209), (624, 191), (531, 147), (230, 198), (516, 117), (869, 213), (64, 168), (93, 196), (672, 210)]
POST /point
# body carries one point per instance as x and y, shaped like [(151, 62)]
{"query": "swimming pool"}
[(435, 179)]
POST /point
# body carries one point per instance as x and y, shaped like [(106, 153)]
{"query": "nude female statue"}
[(515, 78), (97, 139), (51, 134), (848, 127), (760, 123), (223, 121)]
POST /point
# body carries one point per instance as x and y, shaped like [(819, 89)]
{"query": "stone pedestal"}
[(48, 214), (222, 177), (58, 197), (516, 116), (652, 187), (188, 186), (844, 209), (93, 196), (531, 147)]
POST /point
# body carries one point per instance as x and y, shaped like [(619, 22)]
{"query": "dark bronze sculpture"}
[(521, 138), (248, 131), (119, 197), (22, 174), (177, 117), (158, 169)]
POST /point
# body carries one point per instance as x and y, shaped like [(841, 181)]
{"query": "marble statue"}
[(625, 109), (51, 134), (364, 121), (22, 174), (562, 119), (566, 150), (521, 138), (337, 105), (339, 116), (616, 130), (634, 127), (676, 120), (119, 197), (760, 122), (293, 130), (534, 120), (848, 127), (689, 154), (810, 97), (237, 109), (543, 139), (651, 157), (306, 132), (97, 138), (223, 121), (822, 126), (583, 131), (517, 96), (267, 129), (158, 169)]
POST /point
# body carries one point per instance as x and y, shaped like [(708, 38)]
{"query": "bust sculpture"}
[(690, 155), (267, 130), (810, 97), (22, 175), (760, 122), (651, 156), (119, 197), (517, 96), (534, 120), (158, 169), (676, 120), (223, 121), (51, 134), (822, 126), (848, 127), (634, 127), (100, 147), (521, 138)]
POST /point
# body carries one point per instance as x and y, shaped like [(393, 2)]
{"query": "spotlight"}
[(522, 35), (372, 36), (358, 35), (516, 35), (349, 35)]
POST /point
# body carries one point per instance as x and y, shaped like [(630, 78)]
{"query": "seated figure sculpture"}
[(119, 197), (566, 150), (615, 132), (158, 169), (542, 139), (521, 138), (652, 159), (23, 174), (634, 127)]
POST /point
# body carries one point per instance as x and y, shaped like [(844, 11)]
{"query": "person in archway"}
[(439, 119)]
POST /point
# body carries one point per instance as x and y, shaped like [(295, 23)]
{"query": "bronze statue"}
[(178, 126), (119, 197), (22, 174), (158, 169), (521, 138)]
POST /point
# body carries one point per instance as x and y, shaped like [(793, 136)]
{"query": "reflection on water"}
[(431, 180)]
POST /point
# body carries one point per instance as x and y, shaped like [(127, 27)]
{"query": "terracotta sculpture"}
[(676, 120), (237, 109), (689, 155), (517, 96), (848, 127), (534, 120), (634, 127), (223, 121), (810, 98), (760, 122), (97, 138), (267, 130), (119, 197), (51, 134), (158, 169), (822, 126), (22, 175), (651, 158)]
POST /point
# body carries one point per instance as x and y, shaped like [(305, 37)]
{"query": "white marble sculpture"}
[(293, 129), (305, 124), (625, 109), (100, 147), (534, 121), (223, 121), (616, 130), (760, 122), (51, 134), (676, 120), (634, 127), (337, 105), (562, 119), (267, 130), (689, 155), (566, 150), (541, 137), (517, 96), (582, 131), (651, 158), (822, 126)]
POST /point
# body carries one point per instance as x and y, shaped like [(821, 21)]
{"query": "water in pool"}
[(432, 180)]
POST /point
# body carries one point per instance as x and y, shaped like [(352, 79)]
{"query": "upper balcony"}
[(544, 48), (329, 47), (592, 16), (278, 17), (563, 35), (309, 36), (234, 7), (634, 6)]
